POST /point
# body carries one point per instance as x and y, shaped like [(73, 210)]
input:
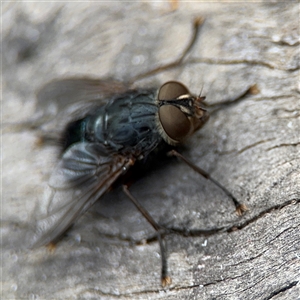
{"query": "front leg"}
[(240, 207)]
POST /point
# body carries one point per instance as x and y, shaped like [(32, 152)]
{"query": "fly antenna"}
[(201, 91)]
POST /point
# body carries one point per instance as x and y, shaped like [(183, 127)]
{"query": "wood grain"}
[(250, 145)]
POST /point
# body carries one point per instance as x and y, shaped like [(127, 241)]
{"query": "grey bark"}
[(250, 145)]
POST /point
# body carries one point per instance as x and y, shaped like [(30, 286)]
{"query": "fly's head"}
[(180, 113)]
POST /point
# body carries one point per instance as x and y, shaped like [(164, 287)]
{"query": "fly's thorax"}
[(180, 113), (127, 123)]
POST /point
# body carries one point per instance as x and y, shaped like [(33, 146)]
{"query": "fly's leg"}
[(196, 27), (141, 208), (240, 207), (165, 279)]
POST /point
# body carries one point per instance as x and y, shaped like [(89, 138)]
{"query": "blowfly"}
[(110, 129)]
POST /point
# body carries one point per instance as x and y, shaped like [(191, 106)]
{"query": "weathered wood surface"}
[(250, 145)]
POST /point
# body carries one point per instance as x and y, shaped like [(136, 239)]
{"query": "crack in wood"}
[(213, 61), (263, 213), (210, 232), (205, 232), (281, 290), (283, 145)]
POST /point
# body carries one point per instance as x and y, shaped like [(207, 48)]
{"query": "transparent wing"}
[(62, 101), (65, 92), (85, 172)]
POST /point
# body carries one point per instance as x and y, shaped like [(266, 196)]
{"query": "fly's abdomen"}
[(74, 133)]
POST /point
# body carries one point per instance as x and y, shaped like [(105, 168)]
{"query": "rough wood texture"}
[(251, 145)]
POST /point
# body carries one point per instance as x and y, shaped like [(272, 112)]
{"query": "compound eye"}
[(172, 90), (174, 122)]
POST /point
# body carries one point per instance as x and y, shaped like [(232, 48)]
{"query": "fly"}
[(110, 129)]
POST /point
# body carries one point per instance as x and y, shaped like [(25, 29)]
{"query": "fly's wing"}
[(65, 92), (62, 101), (85, 172)]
